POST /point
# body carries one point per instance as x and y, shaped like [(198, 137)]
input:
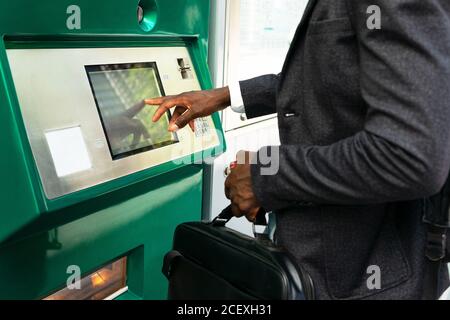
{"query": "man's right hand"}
[(190, 106)]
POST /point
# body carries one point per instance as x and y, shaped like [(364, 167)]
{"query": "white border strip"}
[(117, 293)]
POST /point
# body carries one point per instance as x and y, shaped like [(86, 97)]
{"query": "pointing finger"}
[(155, 101)]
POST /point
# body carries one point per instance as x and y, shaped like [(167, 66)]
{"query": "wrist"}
[(222, 98)]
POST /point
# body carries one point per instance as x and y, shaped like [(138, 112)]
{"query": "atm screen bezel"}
[(154, 66)]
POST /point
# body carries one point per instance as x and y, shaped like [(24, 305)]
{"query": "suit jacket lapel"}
[(300, 28)]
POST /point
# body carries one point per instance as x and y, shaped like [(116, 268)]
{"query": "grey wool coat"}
[(364, 117)]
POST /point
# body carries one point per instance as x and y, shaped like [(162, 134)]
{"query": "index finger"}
[(154, 101)]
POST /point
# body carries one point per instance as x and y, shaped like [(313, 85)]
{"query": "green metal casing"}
[(134, 216)]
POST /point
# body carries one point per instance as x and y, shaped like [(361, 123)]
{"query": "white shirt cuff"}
[(237, 102)]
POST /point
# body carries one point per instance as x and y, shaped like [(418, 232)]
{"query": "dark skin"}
[(197, 104), (190, 106), (239, 188)]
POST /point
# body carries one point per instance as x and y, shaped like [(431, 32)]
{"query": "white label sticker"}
[(69, 151)]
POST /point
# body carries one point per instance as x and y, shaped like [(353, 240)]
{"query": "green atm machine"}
[(90, 189)]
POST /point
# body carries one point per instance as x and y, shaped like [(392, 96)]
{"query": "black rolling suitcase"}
[(212, 262)]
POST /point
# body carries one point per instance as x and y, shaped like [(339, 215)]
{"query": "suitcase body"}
[(212, 262)]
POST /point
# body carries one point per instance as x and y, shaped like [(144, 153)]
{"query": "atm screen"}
[(119, 91)]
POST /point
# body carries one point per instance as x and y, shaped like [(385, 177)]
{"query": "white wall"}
[(248, 38)]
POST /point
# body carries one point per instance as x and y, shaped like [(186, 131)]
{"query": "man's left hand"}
[(239, 188)]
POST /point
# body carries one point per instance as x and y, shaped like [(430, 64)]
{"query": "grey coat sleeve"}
[(259, 95), (403, 152)]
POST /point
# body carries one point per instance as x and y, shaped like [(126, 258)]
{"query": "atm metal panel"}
[(54, 94)]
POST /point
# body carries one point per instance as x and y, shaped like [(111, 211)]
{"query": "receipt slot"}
[(86, 177)]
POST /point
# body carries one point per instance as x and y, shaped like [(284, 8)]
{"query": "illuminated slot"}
[(105, 283)]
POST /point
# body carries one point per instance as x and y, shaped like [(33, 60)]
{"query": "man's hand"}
[(190, 106), (239, 189)]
